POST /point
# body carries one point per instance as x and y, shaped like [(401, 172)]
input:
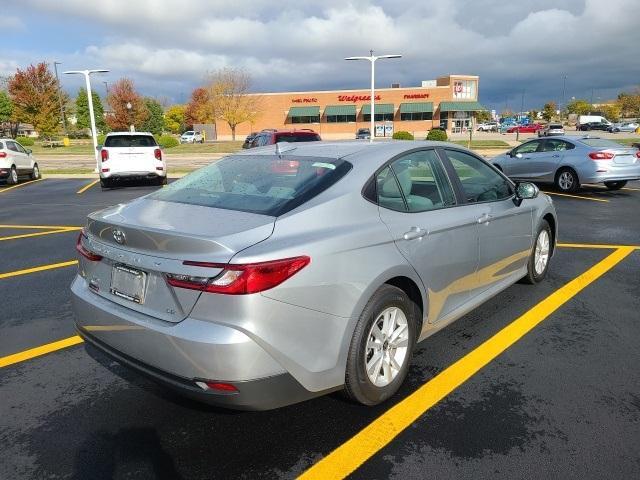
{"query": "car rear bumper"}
[(134, 175), (613, 174), (180, 354)]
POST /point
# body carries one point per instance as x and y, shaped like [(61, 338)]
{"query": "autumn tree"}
[(629, 103), (34, 93), (611, 111), (174, 118), (199, 108), (229, 98), (82, 110), (483, 116), (549, 111), (120, 117), (155, 121), (579, 107)]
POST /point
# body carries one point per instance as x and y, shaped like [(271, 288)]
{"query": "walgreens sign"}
[(357, 98)]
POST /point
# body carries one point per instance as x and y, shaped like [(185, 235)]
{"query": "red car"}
[(531, 128)]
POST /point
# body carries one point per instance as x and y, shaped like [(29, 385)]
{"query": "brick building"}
[(447, 102)]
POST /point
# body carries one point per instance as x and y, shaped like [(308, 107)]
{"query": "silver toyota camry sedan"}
[(286, 272)]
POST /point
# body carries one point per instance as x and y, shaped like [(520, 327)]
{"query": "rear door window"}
[(130, 141), (555, 145)]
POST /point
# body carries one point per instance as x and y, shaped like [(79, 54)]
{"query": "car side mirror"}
[(525, 191), (518, 155), (28, 150), (98, 147)]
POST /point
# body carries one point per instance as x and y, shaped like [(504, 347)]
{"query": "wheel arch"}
[(551, 220)]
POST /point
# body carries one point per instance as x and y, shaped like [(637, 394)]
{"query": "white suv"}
[(131, 155), (15, 160), (191, 137)]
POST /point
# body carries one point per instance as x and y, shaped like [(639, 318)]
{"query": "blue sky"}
[(168, 46)]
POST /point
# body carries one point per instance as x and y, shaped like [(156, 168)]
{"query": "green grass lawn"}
[(85, 148), (626, 141)]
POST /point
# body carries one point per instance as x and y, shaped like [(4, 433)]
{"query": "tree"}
[(199, 108), (611, 111), (483, 116), (579, 107), (155, 121), (174, 118), (34, 92), (549, 111), (533, 115), (82, 110), (228, 95), (629, 103), (120, 117)]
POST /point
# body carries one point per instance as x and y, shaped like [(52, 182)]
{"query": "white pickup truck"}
[(131, 155)]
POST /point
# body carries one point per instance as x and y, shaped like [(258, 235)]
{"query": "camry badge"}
[(119, 236)]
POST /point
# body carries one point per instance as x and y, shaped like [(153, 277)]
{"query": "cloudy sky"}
[(168, 46)]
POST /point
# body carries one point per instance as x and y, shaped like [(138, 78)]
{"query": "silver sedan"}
[(286, 272), (568, 161)]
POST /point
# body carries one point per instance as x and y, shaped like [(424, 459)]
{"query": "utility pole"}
[(64, 121), (521, 112), (564, 84)]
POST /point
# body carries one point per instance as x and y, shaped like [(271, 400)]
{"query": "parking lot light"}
[(372, 58), (94, 135)]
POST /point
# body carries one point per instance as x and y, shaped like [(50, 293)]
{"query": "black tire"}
[(35, 173), (567, 180), (161, 181), (358, 386), (616, 130), (106, 183), (12, 179), (532, 275), (615, 185)]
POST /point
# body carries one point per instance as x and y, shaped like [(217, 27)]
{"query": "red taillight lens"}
[(601, 155), (104, 155), (158, 154), (3, 154), (241, 279), (84, 252), (224, 387), (638, 154)]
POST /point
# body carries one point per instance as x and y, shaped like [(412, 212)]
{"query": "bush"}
[(167, 141), (25, 141), (437, 135), (101, 138), (402, 135)]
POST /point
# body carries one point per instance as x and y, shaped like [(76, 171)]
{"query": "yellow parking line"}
[(375, 436), (38, 351), (87, 187), (37, 234), (603, 187), (41, 268), (41, 227), (597, 245), (577, 196), (20, 185), (631, 189)]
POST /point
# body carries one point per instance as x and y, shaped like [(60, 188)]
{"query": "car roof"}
[(128, 133)]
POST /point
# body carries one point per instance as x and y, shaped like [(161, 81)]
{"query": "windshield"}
[(188, 134), (264, 184), (600, 143), (130, 141), (555, 127)]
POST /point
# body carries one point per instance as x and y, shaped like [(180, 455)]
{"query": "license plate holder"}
[(128, 283)]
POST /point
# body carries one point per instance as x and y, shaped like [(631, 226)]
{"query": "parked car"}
[(16, 161), (296, 286), (506, 126), (249, 139), (629, 127), (594, 126), (270, 137), (488, 127), (191, 136), (529, 128), (363, 134), (584, 119), (551, 129), (569, 161), (133, 156)]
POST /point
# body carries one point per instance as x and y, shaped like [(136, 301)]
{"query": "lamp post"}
[(132, 128), (521, 112), (564, 84), (64, 122), (94, 135), (372, 58)]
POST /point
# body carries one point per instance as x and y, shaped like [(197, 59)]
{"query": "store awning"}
[(416, 107), (304, 112), (340, 110), (460, 107), (379, 108)]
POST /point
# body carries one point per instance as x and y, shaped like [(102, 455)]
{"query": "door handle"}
[(556, 156), (414, 233), (527, 158), (485, 218)]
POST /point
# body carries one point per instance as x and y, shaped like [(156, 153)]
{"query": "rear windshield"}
[(601, 143), (264, 184), (130, 141), (556, 127), (297, 137)]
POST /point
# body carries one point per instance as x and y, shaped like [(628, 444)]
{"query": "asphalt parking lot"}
[(539, 382)]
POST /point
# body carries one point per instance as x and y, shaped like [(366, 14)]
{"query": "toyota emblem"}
[(119, 236)]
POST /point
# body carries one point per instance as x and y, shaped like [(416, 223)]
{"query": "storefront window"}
[(416, 116), (341, 118), (461, 122), (444, 120), (464, 89), (312, 119), (379, 117)]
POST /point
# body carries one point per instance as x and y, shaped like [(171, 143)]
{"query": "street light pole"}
[(372, 58), (64, 122), (94, 135), (521, 112), (564, 84)]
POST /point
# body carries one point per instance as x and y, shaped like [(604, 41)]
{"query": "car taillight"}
[(82, 250), (601, 155), (240, 279), (638, 154), (3, 154), (104, 155), (158, 154)]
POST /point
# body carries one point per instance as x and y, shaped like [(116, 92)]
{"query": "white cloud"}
[(10, 22)]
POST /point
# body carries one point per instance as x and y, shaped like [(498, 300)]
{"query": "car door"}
[(520, 165), (504, 228), (27, 158), (551, 154), (439, 239), (19, 159)]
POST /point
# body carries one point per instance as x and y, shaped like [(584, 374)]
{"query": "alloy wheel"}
[(566, 180), (387, 346), (541, 254)]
